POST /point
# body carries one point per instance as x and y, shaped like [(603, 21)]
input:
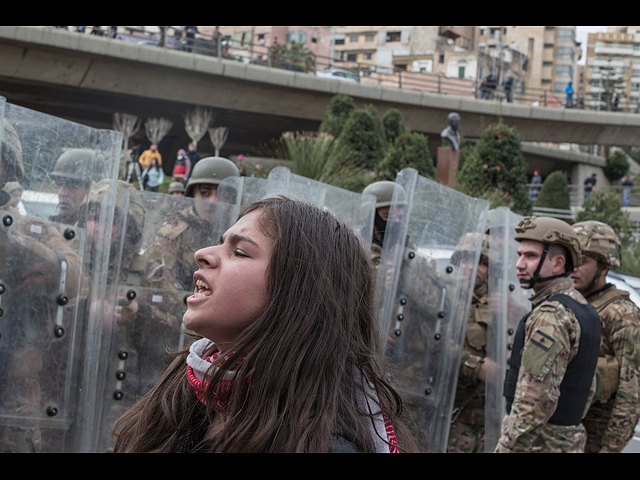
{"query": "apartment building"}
[(541, 58), (613, 65), (552, 53), (253, 40)]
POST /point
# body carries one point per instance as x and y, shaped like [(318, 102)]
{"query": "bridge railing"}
[(298, 58), (629, 196)]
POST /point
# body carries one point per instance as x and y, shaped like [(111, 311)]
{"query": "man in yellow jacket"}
[(148, 155)]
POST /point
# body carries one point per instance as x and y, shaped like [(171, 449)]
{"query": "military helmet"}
[(551, 231), (11, 155), (211, 171), (600, 241), (383, 191), (11, 187), (75, 165), (176, 187)]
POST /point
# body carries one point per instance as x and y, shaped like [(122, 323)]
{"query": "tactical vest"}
[(578, 379), (608, 366)]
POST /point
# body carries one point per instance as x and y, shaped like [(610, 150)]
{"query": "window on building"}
[(370, 38), (354, 38), (299, 36), (394, 36), (566, 35), (565, 53), (564, 71)]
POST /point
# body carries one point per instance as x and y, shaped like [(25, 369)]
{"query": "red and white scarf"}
[(203, 353)]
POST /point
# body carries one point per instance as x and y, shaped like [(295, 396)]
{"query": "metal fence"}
[(629, 197), (302, 60)]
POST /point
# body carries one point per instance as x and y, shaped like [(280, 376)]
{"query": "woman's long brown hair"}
[(306, 355)]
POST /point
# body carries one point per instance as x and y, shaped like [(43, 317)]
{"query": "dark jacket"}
[(193, 441)]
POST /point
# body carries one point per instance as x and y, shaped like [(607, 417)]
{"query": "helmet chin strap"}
[(596, 279), (536, 276)]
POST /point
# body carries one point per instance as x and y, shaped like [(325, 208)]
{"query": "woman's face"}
[(231, 285)]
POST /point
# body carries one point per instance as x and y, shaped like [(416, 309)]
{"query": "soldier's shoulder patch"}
[(539, 354), (542, 340)]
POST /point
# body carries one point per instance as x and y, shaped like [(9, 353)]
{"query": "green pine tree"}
[(410, 150), (393, 125), (363, 136), (340, 109), (496, 167), (555, 192), (617, 166)]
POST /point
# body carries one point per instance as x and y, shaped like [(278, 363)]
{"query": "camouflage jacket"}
[(470, 392), (526, 428), (618, 407)]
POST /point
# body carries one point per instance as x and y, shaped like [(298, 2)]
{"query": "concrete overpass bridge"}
[(87, 79)]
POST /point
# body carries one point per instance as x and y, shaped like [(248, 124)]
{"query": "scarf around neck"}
[(204, 352)]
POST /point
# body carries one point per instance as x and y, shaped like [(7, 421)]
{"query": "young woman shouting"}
[(286, 355)]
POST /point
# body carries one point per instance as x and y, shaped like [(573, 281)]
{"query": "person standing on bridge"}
[(569, 91)]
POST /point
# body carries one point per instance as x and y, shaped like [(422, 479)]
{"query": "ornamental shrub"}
[(497, 163), (555, 192), (410, 150)]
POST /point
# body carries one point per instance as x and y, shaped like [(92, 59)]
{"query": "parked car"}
[(338, 74)]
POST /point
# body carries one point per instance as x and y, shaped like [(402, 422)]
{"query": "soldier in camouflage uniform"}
[(171, 263), (467, 427), (612, 418), (72, 174), (168, 264), (15, 190), (551, 379)]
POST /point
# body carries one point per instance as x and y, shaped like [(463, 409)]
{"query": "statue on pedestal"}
[(451, 133)]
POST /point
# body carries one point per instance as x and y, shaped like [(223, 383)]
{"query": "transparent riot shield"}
[(151, 277), (424, 297), (508, 303), (354, 209), (44, 291)]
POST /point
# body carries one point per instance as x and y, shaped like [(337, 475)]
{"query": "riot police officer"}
[(383, 191), (612, 418), (467, 426), (170, 256), (72, 174), (207, 175), (551, 378)]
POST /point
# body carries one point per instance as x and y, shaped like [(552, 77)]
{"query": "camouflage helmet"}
[(75, 165), (600, 241), (383, 191), (176, 187), (211, 171), (551, 231), (11, 155)]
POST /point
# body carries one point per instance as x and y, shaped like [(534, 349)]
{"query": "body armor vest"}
[(578, 378)]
